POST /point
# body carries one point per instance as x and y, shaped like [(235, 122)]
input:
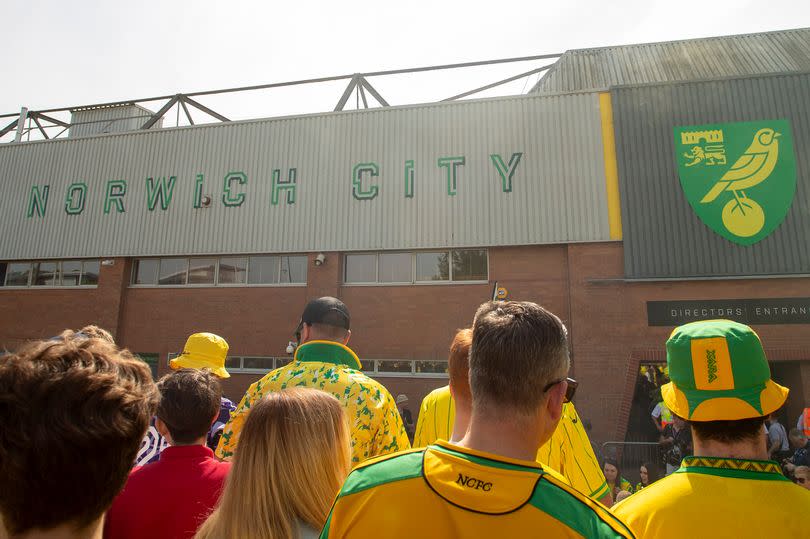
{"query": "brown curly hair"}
[(74, 413)]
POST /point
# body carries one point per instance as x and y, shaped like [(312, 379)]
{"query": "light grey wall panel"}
[(558, 188)]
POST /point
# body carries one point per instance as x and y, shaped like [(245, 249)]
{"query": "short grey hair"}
[(518, 348)]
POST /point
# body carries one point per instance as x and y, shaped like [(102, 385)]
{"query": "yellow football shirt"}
[(713, 497), (446, 490), (375, 424), (568, 451)]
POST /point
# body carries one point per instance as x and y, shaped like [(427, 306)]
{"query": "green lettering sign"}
[(409, 174), (116, 189), (358, 192), (506, 171), (279, 185), (228, 198), (739, 178), (159, 191), (38, 200), (198, 187), (451, 164), (76, 195)]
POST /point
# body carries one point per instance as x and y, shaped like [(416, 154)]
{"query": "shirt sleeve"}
[(422, 437), (581, 465), (233, 428), (390, 435)]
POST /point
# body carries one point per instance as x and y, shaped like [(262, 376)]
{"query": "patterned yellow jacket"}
[(374, 421)]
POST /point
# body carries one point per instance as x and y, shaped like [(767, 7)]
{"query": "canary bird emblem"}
[(748, 200)]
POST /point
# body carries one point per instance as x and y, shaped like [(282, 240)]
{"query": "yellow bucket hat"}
[(203, 351), (719, 372)]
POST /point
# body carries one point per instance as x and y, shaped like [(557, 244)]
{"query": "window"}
[(432, 267), (233, 270), (456, 265), (470, 265), (419, 368), (18, 274), (46, 274), (361, 268), (71, 272), (146, 271), (395, 267), (50, 273), (173, 271), (293, 269), (263, 270), (251, 364), (229, 270), (90, 270), (201, 270)]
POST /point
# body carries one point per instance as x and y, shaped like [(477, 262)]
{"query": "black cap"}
[(326, 310)]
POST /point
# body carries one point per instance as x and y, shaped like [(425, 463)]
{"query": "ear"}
[(348, 336), (554, 404), (216, 415), (306, 332), (162, 429)]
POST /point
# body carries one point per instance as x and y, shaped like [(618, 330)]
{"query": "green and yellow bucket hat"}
[(719, 372), (203, 351)]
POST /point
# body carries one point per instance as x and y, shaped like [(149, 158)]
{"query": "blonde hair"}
[(293, 456)]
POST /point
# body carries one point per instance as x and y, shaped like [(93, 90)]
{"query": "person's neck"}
[(462, 422), (514, 437), (745, 449), (198, 441), (66, 531)]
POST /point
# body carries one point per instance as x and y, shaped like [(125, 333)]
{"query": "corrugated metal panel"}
[(558, 189), (693, 59), (118, 119), (663, 237)]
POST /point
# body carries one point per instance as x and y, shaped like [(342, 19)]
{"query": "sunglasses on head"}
[(570, 390)]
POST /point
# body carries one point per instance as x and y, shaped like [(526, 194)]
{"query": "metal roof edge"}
[(539, 95), (711, 79), (690, 40)]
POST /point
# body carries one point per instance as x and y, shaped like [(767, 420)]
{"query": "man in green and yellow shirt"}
[(568, 451), (488, 484), (721, 384), (323, 361)]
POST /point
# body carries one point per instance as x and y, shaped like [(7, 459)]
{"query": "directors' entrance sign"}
[(740, 178), (746, 311)]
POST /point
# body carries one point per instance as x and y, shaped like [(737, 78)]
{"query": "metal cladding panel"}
[(663, 236), (692, 59), (559, 190), (118, 119)]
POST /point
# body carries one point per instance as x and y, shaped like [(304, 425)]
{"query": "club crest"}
[(740, 178)]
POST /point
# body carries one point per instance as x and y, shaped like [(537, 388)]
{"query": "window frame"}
[(58, 272), (413, 281), (216, 283)]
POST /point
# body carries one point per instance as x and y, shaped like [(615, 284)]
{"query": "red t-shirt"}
[(169, 498)]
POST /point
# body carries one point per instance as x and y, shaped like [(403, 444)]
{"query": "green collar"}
[(327, 352), (763, 470)]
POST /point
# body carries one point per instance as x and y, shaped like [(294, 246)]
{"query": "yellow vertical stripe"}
[(611, 169)]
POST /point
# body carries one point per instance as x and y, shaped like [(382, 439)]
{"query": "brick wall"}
[(582, 283)]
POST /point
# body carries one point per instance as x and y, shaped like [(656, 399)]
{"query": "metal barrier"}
[(631, 455)]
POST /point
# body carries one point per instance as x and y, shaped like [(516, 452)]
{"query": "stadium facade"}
[(628, 197)]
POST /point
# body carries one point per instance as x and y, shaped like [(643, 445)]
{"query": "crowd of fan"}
[(317, 448)]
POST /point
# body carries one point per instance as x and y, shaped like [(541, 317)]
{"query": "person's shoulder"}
[(382, 470), (554, 496), (655, 496)]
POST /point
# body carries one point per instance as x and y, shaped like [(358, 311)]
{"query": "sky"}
[(61, 54)]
